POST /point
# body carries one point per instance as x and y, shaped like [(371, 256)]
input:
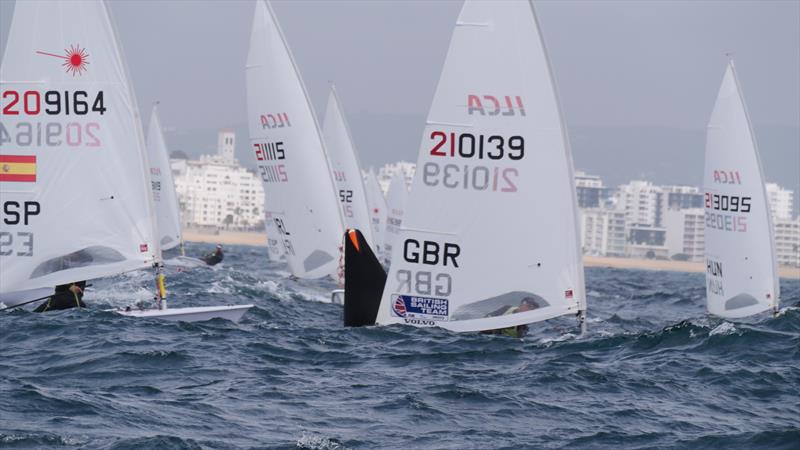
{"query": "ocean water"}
[(653, 372)]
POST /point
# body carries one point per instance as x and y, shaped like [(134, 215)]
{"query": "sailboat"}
[(345, 167), (290, 154), (165, 198), (376, 203), (490, 238), (741, 275), (396, 200), (75, 188)]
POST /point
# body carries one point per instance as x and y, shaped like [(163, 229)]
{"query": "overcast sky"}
[(653, 67)]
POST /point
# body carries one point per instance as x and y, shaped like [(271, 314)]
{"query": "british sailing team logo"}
[(399, 306), (75, 59)]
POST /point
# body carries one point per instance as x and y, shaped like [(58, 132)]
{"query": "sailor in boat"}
[(66, 296), (526, 304), (214, 257)]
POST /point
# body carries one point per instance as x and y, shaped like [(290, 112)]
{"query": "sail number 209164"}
[(52, 103)]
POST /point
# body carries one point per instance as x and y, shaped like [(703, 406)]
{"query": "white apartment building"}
[(685, 233), (582, 179), (646, 241), (215, 192), (679, 197), (386, 173), (641, 201), (781, 201), (787, 242), (602, 232), (589, 190)]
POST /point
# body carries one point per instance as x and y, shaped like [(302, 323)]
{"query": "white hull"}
[(233, 313), (185, 261)]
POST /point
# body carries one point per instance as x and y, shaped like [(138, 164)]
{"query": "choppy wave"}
[(653, 371)]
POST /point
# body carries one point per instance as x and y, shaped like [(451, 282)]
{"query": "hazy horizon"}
[(637, 80)]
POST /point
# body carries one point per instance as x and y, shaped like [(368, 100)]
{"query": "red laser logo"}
[(75, 59)]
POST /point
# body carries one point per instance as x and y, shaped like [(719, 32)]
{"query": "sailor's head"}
[(527, 304), (219, 246)]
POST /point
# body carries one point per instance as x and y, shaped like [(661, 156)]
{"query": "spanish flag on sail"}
[(18, 168)]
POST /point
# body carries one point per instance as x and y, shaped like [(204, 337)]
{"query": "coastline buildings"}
[(685, 238), (781, 201), (787, 242), (387, 171), (214, 192), (642, 220), (602, 231), (641, 201), (590, 190)]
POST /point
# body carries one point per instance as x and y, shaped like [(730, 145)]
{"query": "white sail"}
[(73, 168), (346, 169), (376, 203), (163, 186), (396, 200), (490, 237), (274, 246), (290, 155), (741, 279)]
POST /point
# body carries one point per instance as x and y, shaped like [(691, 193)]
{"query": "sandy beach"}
[(260, 240), (674, 266), (226, 237)]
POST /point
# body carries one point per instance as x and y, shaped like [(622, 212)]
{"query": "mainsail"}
[(163, 186), (741, 279), (490, 236), (396, 200), (274, 245), (72, 164), (290, 154), (346, 169), (376, 203)]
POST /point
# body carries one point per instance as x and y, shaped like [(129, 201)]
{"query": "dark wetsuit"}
[(63, 298), (213, 258), (518, 331)]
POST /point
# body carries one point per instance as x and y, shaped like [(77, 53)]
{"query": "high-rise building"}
[(787, 242), (680, 197), (641, 202), (685, 237), (781, 201), (602, 231), (646, 241), (215, 192), (589, 190)]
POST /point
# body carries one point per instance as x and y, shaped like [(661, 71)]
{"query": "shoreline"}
[(226, 237), (668, 265), (260, 240)]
